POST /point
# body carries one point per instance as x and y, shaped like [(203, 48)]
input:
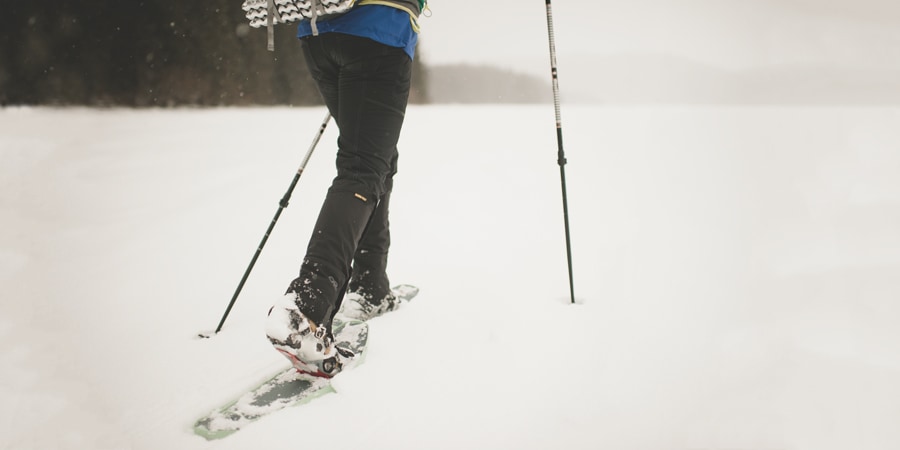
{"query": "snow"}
[(737, 271)]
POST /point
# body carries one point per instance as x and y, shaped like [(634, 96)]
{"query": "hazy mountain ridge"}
[(670, 79), (465, 83)]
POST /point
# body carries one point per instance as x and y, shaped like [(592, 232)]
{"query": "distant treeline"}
[(150, 53)]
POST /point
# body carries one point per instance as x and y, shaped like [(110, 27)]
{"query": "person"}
[(361, 62)]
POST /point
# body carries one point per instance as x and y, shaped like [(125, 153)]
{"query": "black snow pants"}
[(365, 86)]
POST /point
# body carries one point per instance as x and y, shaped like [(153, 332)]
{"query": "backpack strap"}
[(313, 10), (271, 15)]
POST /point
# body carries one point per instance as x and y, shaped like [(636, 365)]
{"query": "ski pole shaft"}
[(561, 155), (281, 206)]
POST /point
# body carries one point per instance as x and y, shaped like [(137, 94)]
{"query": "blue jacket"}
[(390, 25)]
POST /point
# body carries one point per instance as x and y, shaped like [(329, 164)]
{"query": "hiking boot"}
[(308, 345), (360, 306)]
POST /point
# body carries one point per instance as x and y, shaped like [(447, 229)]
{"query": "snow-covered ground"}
[(737, 273)]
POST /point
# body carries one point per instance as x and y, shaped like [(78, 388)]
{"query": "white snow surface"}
[(737, 271)]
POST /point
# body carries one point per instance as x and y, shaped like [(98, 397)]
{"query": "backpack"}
[(287, 11), (271, 12)]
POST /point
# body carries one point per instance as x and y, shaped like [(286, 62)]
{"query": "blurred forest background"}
[(150, 53)]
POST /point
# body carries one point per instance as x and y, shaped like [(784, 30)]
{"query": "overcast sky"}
[(730, 34)]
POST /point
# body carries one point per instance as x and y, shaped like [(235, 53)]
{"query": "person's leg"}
[(368, 100), (373, 91), (369, 291), (369, 279)]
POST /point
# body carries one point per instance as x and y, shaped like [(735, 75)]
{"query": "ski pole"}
[(281, 205), (561, 156)]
